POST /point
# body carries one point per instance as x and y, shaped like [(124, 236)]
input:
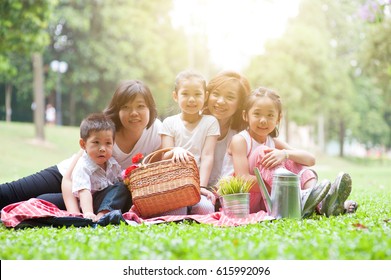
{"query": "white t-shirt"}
[(64, 165), (149, 142), (194, 140), (90, 176), (222, 164)]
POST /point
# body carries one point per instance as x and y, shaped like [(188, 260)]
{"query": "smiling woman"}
[(236, 29), (130, 139)]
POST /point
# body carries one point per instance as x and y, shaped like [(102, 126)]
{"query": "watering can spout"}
[(264, 191)]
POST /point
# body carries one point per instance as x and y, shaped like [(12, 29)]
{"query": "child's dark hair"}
[(94, 123), (187, 75), (264, 92), (127, 91), (244, 90)]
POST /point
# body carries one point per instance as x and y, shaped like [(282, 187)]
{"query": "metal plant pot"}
[(236, 205)]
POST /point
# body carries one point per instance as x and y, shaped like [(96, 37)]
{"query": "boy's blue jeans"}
[(115, 197)]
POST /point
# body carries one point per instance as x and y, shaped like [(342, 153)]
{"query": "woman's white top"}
[(149, 142), (222, 164), (194, 140)]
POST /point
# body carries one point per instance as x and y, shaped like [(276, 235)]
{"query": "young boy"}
[(96, 178)]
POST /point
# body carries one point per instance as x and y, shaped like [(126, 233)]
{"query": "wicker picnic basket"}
[(161, 186)]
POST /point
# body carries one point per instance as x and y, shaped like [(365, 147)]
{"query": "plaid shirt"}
[(88, 175)]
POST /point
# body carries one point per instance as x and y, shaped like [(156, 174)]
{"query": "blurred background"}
[(330, 60)]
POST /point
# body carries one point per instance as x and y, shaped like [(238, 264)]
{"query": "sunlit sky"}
[(236, 29)]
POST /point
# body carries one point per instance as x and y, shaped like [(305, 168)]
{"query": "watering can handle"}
[(264, 191)]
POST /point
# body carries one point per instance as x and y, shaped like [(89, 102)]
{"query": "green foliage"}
[(23, 25), (232, 185), (105, 42), (296, 66), (375, 57), (22, 29), (316, 66), (369, 102)]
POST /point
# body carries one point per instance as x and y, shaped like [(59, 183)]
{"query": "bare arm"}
[(70, 200), (207, 157), (206, 165), (86, 204), (167, 142), (238, 150), (284, 151)]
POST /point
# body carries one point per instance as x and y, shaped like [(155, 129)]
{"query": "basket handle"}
[(152, 157)]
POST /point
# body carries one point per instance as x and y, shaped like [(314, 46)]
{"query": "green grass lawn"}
[(21, 154), (365, 235)]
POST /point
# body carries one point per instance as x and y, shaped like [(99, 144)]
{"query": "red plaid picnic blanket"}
[(217, 218), (14, 214)]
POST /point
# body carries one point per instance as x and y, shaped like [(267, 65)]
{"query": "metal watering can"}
[(285, 199)]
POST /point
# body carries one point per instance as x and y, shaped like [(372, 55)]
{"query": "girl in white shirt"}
[(192, 134)]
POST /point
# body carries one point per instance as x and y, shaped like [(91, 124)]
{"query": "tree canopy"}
[(23, 29), (316, 64), (332, 66)]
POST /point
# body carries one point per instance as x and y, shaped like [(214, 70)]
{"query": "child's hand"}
[(209, 195), (90, 215), (263, 150), (273, 157), (181, 155)]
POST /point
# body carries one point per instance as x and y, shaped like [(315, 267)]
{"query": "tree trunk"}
[(341, 138), (72, 109), (8, 97), (39, 98)]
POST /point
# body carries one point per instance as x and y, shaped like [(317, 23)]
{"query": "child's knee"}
[(256, 156), (306, 177)]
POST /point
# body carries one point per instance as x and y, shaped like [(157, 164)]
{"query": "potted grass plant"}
[(234, 196)]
